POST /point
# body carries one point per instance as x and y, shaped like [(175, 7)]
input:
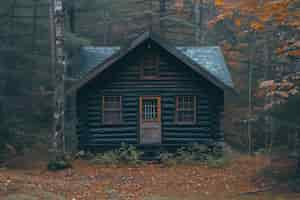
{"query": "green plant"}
[(167, 159), (130, 154), (195, 154), (217, 151), (185, 156), (107, 158), (217, 162), (126, 154), (199, 151), (59, 163)]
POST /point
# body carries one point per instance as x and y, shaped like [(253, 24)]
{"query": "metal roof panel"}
[(210, 59)]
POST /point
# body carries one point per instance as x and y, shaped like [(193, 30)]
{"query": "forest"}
[(260, 40)]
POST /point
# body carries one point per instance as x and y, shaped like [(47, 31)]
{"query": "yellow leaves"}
[(255, 25), (277, 5), (237, 22), (219, 3), (219, 18)]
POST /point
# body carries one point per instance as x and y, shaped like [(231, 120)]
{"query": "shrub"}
[(195, 154), (9, 142), (109, 157), (217, 162), (59, 163), (130, 154), (126, 154), (167, 159)]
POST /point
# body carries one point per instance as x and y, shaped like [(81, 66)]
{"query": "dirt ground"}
[(241, 179)]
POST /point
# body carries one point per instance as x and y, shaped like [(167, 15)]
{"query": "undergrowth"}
[(126, 154), (59, 163), (195, 154)]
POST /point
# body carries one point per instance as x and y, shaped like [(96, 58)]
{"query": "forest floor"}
[(243, 178)]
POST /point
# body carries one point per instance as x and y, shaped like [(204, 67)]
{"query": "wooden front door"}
[(150, 120)]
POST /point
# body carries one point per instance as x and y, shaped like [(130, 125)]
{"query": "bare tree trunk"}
[(58, 74), (162, 13), (250, 79), (298, 148), (34, 29), (271, 135), (249, 124), (72, 16), (12, 24), (198, 22), (151, 16)]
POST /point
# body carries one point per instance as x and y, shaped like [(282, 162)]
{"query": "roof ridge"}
[(180, 46), (208, 61)]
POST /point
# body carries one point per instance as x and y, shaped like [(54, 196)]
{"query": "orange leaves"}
[(279, 91), (219, 3), (264, 11), (294, 52), (255, 25), (291, 49), (237, 22)]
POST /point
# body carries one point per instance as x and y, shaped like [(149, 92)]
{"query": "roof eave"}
[(164, 44)]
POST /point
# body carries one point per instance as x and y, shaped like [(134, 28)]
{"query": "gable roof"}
[(207, 61)]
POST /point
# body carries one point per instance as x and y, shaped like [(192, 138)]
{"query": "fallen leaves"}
[(87, 181)]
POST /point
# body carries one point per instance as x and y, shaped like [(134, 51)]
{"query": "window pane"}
[(186, 109), (150, 110), (112, 102), (112, 109)]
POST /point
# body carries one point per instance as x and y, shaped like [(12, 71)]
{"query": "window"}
[(150, 64), (186, 109), (150, 109), (111, 109)]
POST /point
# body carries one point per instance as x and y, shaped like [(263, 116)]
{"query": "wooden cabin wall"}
[(123, 79)]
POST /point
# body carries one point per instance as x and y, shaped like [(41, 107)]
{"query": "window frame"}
[(120, 110), (158, 99), (194, 109), (156, 58)]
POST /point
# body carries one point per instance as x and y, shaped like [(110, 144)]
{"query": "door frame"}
[(145, 97)]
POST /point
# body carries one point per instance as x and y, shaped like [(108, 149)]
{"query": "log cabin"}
[(150, 93)]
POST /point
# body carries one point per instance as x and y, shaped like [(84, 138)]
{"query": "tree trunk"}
[(162, 13), (58, 62), (298, 150)]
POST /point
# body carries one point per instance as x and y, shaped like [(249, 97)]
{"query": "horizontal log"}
[(99, 125), (159, 90), (187, 134), (182, 128), (111, 140), (170, 145), (185, 140), (113, 135), (109, 130)]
